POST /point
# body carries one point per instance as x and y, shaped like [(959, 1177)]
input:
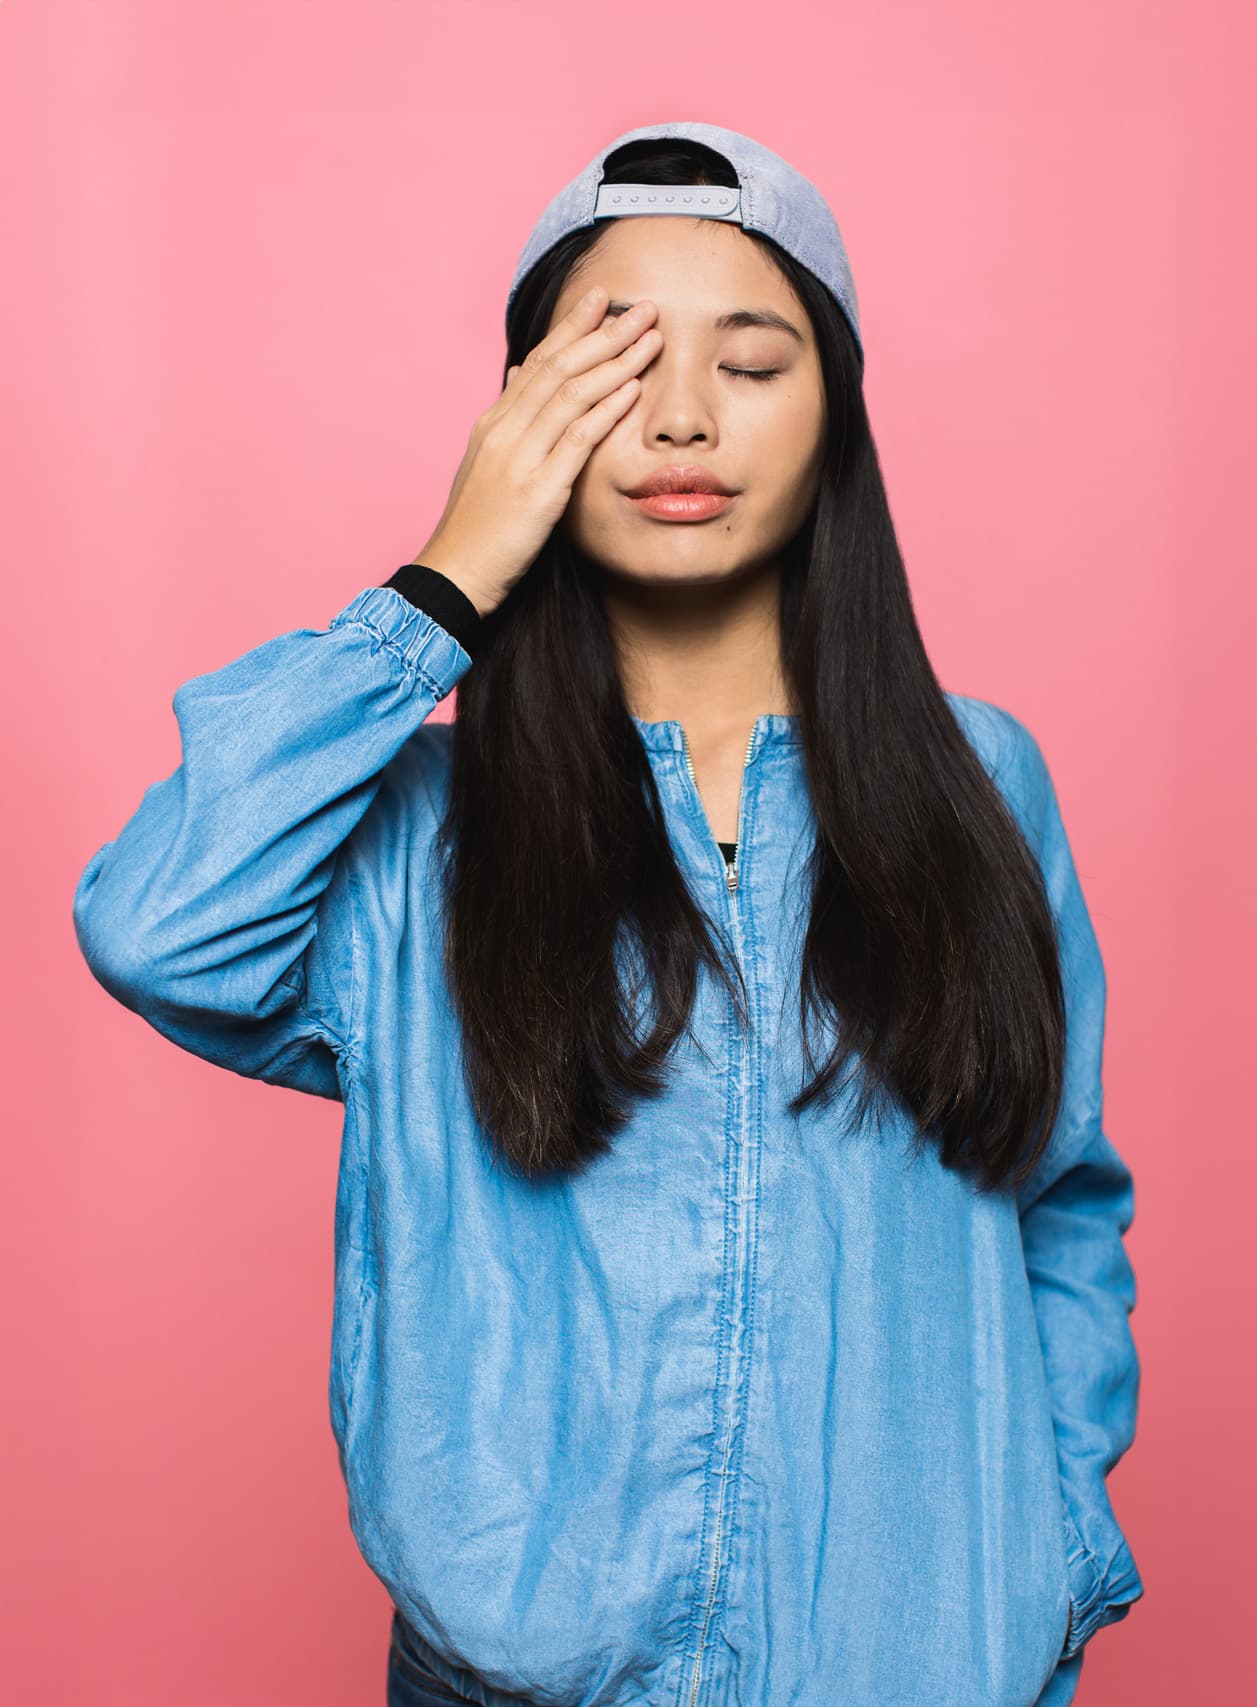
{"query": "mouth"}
[(683, 506), (685, 480)]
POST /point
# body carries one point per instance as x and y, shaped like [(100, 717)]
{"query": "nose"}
[(677, 401)]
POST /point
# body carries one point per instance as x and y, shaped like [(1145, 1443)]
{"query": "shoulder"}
[(1010, 754)]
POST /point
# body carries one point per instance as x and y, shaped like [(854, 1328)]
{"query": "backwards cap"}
[(771, 197)]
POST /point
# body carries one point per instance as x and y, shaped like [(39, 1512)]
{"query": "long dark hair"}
[(930, 942)]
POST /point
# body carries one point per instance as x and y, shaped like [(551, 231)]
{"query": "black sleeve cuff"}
[(444, 602)]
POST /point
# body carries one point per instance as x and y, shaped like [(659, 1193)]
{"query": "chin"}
[(663, 569)]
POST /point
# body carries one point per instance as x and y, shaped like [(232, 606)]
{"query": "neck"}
[(708, 654)]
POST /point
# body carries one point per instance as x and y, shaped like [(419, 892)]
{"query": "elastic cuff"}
[(418, 641), (435, 593), (1099, 1597)]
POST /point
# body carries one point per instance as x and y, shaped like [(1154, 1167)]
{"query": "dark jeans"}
[(410, 1683)]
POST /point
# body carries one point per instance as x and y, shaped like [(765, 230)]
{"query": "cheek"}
[(780, 413), (594, 505), (596, 489), (778, 437), (600, 465)]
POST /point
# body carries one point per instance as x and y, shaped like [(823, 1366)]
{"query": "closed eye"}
[(753, 372)]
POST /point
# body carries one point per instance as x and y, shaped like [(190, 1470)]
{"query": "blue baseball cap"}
[(771, 197)]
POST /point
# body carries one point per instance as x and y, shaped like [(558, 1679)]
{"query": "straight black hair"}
[(930, 951)]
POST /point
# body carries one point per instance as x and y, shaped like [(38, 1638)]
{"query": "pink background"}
[(256, 260)]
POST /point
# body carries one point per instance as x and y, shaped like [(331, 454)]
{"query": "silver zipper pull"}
[(731, 876)]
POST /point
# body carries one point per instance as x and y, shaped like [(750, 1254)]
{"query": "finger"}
[(577, 441), (580, 319), (586, 336), (585, 314), (578, 378), (545, 411)]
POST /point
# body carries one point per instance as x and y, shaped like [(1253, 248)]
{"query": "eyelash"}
[(760, 374)]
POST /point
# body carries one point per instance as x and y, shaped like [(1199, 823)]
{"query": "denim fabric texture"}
[(775, 199), (758, 1409)]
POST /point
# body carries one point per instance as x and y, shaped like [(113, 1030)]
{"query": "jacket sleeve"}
[(221, 913), (442, 598), (1074, 1211)]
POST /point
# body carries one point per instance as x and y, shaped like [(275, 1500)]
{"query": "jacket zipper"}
[(731, 884), (731, 871)]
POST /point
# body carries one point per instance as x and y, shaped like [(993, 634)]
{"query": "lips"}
[(680, 478)]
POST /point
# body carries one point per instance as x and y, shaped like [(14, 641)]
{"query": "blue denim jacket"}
[(757, 1409)]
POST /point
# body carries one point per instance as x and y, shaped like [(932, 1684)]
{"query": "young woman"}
[(731, 1295)]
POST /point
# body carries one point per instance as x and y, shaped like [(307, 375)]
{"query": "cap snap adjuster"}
[(706, 201)]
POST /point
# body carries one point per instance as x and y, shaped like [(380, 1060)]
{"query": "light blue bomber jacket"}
[(757, 1411)]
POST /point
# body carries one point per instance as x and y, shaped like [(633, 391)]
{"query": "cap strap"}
[(705, 201)]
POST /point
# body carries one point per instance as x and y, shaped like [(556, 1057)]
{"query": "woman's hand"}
[(526, 450)]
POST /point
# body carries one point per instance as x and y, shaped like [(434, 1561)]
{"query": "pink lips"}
[(684, 506)]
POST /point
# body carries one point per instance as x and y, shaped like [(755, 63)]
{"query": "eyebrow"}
[(736, 319)]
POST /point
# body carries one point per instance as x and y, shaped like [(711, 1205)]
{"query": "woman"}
[(731, 1297)]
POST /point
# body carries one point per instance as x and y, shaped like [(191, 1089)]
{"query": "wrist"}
[(428, 589), (465, 582)]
